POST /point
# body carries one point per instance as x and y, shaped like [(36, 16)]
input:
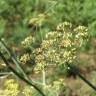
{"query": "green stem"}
[(11, 56), (5, 73), (43, 79)]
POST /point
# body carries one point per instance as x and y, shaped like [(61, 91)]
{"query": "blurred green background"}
[(21, 18), (15, 16)]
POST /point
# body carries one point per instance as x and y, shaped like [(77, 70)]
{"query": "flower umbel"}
[(59, 46)]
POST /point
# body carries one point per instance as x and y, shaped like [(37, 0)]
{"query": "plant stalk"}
[(43, 79)]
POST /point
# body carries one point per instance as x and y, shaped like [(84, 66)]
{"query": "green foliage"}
[(15, 16)]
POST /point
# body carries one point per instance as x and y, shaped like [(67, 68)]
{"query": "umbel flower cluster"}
[(57, 48), (39, 20), (11, 88)]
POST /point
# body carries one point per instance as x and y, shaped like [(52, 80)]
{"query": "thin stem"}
[(5, 73), (43, 77), (11, 55)]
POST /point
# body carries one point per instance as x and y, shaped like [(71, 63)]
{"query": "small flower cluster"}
[(27, 91), (30, 91), (28, 41), (46, 44), (65, 26), (25, 58), (55, 88), (81, 31), (38, 21), (11, 88), (40, 63), (81, 35)]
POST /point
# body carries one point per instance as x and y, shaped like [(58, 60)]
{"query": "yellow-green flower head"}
[(11, 88), (28, 41), (81, 31), (66, 43), (38, 21), (33, 21), (27, 91), (40, 63), (39, 67), (37, 51), (25, 58), (39, 58), (46, 44), (62, 27), (52, 55), (68, 56)]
